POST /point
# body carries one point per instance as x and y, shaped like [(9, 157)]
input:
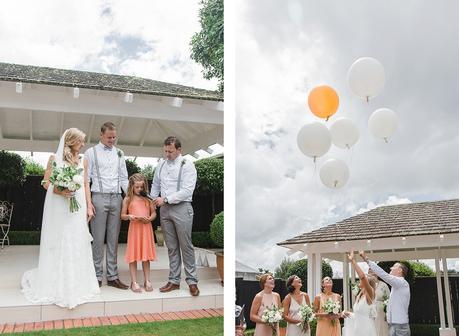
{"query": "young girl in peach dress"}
[(140, 211)]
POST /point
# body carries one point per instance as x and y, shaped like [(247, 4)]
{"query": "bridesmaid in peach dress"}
[(264, 299), (140, 211), (327, 324)]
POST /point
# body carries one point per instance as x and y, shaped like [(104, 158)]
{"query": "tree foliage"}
[(132, 167), (300, 268), (217, 230), (33, 168), (210, 176), (12, 169), (207, 45)]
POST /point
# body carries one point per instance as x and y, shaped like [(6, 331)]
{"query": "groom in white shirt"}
[(399, 299)]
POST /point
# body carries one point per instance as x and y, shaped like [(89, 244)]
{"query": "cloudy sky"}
[(286, 48), (149, 39)]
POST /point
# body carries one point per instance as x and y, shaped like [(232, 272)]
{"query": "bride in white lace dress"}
[(65, 275), (362, 321)]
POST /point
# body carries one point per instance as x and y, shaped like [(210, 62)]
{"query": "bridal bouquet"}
[(271, 316), (332, 307), (70, 178), (306, 315)]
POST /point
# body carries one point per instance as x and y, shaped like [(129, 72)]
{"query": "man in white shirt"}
[(175, 179), (399, 299), (108, 173)]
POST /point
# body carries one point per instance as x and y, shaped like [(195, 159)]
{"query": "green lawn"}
[(197, 327)]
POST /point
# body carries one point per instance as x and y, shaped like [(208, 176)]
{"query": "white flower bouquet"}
[(70, 178), (355, 288), (332, 307), (271, 316), (306, 315)]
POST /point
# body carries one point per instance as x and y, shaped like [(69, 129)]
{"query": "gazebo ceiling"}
[(37, 104)]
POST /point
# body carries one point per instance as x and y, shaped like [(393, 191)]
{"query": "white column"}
[(440, 294), (345, 282), (353, 281), (449, 312), (311, 276), (318, 275)]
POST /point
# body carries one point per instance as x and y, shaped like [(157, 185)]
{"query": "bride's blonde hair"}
[(72, 137)]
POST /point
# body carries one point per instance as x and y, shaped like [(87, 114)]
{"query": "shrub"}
[(148, 171), (202, 239), (33, 168), (300, 268), (421, 269), (12, 169), (132, 167), (210, 176), (216, 230), (281, 272)]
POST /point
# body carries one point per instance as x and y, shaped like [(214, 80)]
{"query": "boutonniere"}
[(183, 162), (120, 152)]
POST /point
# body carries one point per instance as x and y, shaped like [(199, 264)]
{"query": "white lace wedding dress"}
[(65, 275), (362, 321)]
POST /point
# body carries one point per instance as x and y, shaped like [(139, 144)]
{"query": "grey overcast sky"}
[(284, 49), (149, 39)]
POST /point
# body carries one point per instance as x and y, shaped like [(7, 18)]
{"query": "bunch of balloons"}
[(366, 79)]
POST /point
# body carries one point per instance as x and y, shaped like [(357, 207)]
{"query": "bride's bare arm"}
[(362, 277), (48, 170), (87, 192)]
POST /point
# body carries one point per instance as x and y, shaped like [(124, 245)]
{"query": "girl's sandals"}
[(148, 286), (135, 287)]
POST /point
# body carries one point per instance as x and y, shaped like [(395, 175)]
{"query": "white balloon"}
[(334, 173), (366, 77), (344, 133), (314, 140), (383, 123)]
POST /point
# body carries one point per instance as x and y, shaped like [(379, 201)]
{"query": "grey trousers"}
[(177, 222), (107, 222), (399, 329)]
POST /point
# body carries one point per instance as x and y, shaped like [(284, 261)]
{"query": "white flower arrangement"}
[(306, 315), (271, 316)]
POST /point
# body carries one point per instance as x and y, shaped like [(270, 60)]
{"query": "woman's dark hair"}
[(289, 283)]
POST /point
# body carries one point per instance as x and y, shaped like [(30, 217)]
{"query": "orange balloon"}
[(323, 101)]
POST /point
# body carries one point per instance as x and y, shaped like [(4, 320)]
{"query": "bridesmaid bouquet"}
[(306, 315), (70, 178), (332, 307), (272, 316)]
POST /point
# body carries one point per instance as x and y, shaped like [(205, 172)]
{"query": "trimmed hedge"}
[(210, 176), (12, 169), (217, 230), (200, 239)]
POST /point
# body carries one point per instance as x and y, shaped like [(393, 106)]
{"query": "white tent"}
[(428, 230), (37, 104)]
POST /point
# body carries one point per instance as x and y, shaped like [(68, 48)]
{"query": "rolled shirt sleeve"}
[(188, 183), (392, 280), (156, 183), (124, 180), (88, 157)]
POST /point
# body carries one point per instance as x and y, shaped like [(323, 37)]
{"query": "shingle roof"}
[(412, 219), (101, 81)]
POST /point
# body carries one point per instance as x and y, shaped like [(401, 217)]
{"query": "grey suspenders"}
[(98, 171), (179, 180)]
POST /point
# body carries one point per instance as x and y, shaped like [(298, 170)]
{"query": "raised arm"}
[(392, 280), (362, 276)]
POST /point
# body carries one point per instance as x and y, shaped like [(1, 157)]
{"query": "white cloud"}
[(149, 39), (282, 53)]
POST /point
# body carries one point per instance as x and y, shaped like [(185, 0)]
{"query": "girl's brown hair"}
[(130, 192), (263, 279)]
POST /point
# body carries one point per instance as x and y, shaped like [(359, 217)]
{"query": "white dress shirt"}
[(399, 299), (108, 160), (167, 182)]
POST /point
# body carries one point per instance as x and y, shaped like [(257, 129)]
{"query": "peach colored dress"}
[(263, 329), (140, 241), (325, 327)]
